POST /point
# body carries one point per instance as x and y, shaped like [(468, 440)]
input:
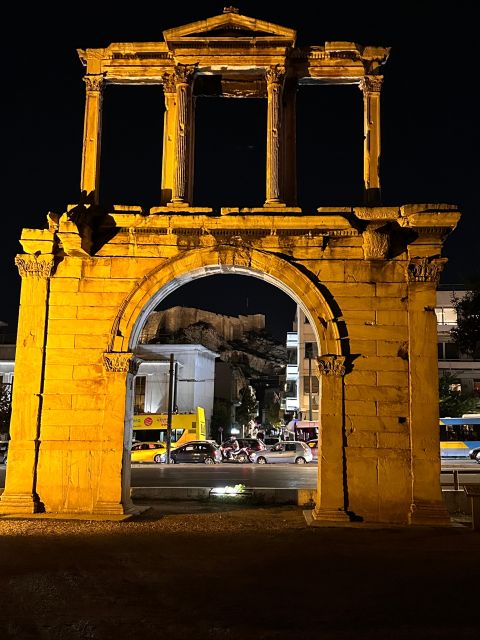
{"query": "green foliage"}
[(453, 403), (466, 334), (5, 407)]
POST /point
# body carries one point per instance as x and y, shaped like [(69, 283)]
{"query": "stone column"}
[(92, 131), (289, 171), (274, 76), (113, 493), (20, 495), (371, 86), (427, 502), (169, 120), (331, 492), (183, 130)]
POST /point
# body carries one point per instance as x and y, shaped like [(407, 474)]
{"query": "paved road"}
[(286, 476)]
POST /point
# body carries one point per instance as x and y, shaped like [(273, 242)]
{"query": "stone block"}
[(375, 363), (62, 313), (60, 342), (75, 356), (385, 290), (365, 347), (377, 332), (88, 372), (88, 402), (392, 317), (394, 441), (390, 347), (360, 408), (393, 378), (97, 313), (360, 377), (385, 408), (111, 285), (57, 401), (59, 371), (98, 342), (97, 268), (86, 327), (78, 417), (70, 285), (362, 439), (365, 392)]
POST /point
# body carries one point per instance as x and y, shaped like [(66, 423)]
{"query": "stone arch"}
[(167, 277)]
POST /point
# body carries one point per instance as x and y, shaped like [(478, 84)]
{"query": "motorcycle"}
[(235, 455)]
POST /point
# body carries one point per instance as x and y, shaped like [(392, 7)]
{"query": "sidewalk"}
[(212, 571)]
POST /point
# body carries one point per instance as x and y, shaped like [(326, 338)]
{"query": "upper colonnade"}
[(231, 55)]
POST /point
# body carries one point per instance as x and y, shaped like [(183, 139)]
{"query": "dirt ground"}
[(192, 570)]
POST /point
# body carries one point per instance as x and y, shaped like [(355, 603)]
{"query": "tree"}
[(248, 406), (5, 407), (452, 402), (466, 334)]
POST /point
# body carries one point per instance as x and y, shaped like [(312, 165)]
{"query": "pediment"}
[(230, 25)]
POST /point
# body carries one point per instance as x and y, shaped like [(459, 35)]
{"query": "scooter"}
[(235, 455)]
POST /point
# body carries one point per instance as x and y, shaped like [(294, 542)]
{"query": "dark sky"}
[(430, 132)]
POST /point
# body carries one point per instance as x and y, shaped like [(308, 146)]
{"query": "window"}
[(291, 389), (451, 351), (311, 350), (292, 356), (476, 387), (306, 384), (139, 400), (446, 315)]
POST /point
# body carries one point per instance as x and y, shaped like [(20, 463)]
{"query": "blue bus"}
[(459, 435)]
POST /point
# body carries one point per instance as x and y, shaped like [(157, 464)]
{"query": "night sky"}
[(430, 133)]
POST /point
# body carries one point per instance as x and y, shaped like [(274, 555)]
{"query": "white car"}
[(284, 452)]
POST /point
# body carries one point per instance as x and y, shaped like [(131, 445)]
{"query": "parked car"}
[(313, 444), (474, 454), (284, 452), (204, 451), (148, 452)]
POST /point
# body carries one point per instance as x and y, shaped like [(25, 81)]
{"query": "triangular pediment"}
[(230, 25)]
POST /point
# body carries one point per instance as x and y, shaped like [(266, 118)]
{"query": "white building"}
[(301, 342), (450, 360), (302, 386), (194, 381)]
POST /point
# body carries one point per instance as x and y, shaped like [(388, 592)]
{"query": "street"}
[(283, 476)]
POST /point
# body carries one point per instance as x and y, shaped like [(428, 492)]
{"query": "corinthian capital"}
[(371, 84), (94, 82), (331, 365), (425, 269), (117, 362), (30, 266), (275, 74), (184, 73), (168, 80)]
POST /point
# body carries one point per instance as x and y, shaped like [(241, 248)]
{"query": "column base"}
[(321, 515), (178, 203), (274, 203), (426, 513), (14, 503)]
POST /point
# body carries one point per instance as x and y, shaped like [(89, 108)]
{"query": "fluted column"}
[(183, 131), (274, 76), (20, 495), (427, 502), (92, 130), (169, 124), (371, 87), (331, 498)]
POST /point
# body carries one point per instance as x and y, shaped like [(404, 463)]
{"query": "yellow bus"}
[(152, 427)]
